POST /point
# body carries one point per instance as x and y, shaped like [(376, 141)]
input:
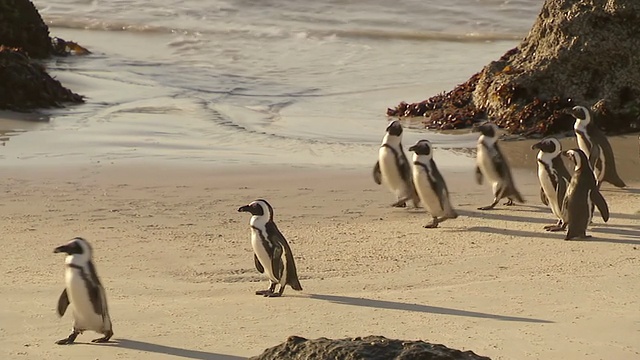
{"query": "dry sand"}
[(176, 261)]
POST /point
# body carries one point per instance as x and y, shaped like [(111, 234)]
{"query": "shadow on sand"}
[(632, 234), (393, 305), (169, 350), (493, 214)]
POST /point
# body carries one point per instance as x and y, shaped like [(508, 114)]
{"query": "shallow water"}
[(305, 82)]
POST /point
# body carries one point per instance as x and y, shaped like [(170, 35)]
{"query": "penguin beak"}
[(245, 208), (566, 153), (412, 148), (536, 146), (61, 249)]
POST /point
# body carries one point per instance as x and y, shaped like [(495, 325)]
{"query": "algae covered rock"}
[(24, 84), (365, 348), (22, 27), (578, 52)]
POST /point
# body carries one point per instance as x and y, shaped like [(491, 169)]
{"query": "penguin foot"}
[(399, 204), (69, 340), (554, 227), (488, 207), (264, 292), (509, 203), (432, 225), (101, 340), (273, 294)]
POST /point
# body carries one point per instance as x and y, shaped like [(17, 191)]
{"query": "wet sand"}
[(176, 261)]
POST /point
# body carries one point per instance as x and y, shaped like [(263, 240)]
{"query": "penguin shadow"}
[(626, 190), (520, 233), (170, 350), (394, 305), (492, 214), (625, 233)]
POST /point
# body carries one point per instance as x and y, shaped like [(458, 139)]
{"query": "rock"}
[(24, 84), (578, 52), (369, 348), (22, 27)]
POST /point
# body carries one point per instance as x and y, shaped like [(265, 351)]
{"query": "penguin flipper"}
[(599, 201), (543, 197), (377, 175), (259, 266), (478, 175), (289, 267), (63, 303), (403, 166), (561, 191), (95, 288)]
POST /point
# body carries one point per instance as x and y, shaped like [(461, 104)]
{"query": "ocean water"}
[(254, 81)]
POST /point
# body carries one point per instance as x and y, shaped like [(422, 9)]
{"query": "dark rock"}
[(22, 27), (24, 84), (367, 348), (578, 52)]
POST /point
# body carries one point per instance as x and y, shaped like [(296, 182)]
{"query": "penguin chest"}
[(486, 164), (428, 195), (583, 143), (260, 245), (84, 315), (389, 169)]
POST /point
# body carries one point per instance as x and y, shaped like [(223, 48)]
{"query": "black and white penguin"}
[(596, 146), (84, 292), (490, 163), (553, 176), (272, 254), (393, 168), (582, 195), (430, 184)]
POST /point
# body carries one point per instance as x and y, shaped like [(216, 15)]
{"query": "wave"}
[(271, 32)]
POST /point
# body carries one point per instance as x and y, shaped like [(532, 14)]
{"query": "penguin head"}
[(422, 147), (578, 157), (78, 248), (582, 115), (394, 128), (258, 208), (549, 145), (487, 129)]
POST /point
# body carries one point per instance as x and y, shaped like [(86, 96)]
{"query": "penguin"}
[(430, 185), (582, 195), (84, 292), (596, 146), (393, 168), (553, 176), (272, 254), (490, 163)]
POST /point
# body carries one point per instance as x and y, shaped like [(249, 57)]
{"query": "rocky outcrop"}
[(369, 348), (24, 83), (22, 27), (578, 52)]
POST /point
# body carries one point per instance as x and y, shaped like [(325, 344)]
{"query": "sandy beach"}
[(176, 261)]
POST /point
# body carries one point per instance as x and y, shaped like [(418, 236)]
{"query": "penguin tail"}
[(295, 284), (616, 181)]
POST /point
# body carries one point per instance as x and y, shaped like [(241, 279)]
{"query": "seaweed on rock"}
[(578, 52)]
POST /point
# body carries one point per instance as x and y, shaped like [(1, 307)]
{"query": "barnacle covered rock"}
[(369, 347), (579, 52)]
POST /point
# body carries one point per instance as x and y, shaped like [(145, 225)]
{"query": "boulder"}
[(578, 52), (22, 27), (24, 84), (366, 348)]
